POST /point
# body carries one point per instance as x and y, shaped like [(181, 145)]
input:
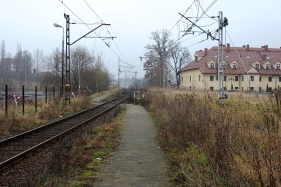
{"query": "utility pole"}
[(67, 60), (221, 23), (98, 77), (118, 72), (62, 62), (136, 77), (79, 78)]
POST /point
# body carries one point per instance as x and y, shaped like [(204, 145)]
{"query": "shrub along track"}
[(16, 148)]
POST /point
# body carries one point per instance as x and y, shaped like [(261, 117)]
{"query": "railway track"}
[(15, 148)]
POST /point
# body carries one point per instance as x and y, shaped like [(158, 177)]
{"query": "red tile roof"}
[(8, 60), (245, 60)]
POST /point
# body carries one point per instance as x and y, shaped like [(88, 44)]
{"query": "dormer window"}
[(212, 65), (257, 66), (196, 58), (267, 66), (278, 66), (234, 65)]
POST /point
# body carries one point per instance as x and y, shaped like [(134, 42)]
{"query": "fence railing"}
[(8, 98)]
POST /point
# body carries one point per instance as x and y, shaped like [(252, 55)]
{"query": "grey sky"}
[(30, 22)]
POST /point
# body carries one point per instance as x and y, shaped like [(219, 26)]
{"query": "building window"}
[(252, 78), (270, 89), (257, 66), (211, 78), (260, 78), (279, 79), (199, 77), (216, 77), (236, 78), (242, 89), (181, 79), (189, 78), (236, 88), (224, 78), (242, 78), (269, 79), (267, 66), (196, 58), (212, 66), (212, 88), (278, 66), (234, 66)]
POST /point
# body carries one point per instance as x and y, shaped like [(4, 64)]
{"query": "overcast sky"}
[(30, 23)]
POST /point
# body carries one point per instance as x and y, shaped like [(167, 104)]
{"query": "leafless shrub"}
[(240, 140)]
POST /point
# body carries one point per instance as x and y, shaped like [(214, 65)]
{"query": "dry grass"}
[(212, 145), (85, 158), (16, 122)]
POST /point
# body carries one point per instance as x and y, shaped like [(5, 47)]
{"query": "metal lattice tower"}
[(67, 61), (221, 63)]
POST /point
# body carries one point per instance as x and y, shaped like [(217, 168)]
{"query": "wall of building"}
[(190, 79)]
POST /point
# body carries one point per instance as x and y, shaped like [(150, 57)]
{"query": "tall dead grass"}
[(16, 122), (237, 144)]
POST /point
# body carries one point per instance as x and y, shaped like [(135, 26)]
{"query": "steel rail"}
[(18, 157)]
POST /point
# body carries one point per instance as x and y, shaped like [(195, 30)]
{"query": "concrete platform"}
[(138, 160)]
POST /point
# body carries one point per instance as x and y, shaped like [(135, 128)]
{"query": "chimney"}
[(228, 47), (262, 46), (243, 46), (205, 51), (264, 57), (266, 47), (247, 47)]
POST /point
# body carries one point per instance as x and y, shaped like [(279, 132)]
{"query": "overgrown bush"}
[(236, 144)]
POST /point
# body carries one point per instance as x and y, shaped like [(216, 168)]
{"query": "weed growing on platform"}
[(86, 157), (211, 145)]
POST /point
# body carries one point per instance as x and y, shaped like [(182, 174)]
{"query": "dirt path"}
[(138, 160)]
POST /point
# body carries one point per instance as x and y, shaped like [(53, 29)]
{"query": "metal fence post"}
[(22, 99), (35, 98), (54, 92), (6, 100), (46, 94)]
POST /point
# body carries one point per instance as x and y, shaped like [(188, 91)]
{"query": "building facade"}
[(245, 69)]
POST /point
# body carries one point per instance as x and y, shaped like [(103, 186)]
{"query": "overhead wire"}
[(106, 29), (180, 18), (86, 25), (242, 63)]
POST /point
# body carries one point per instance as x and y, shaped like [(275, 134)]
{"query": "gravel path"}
[(138, 160)]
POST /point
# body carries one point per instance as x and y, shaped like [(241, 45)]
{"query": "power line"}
[(180, 18), (106, 29), (243, 64), (90, 27)]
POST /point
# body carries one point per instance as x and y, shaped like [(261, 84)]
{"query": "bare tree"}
[(81, 60), (157, 55), (52, 65), (38, 57), (180, 57), (3, 73)]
